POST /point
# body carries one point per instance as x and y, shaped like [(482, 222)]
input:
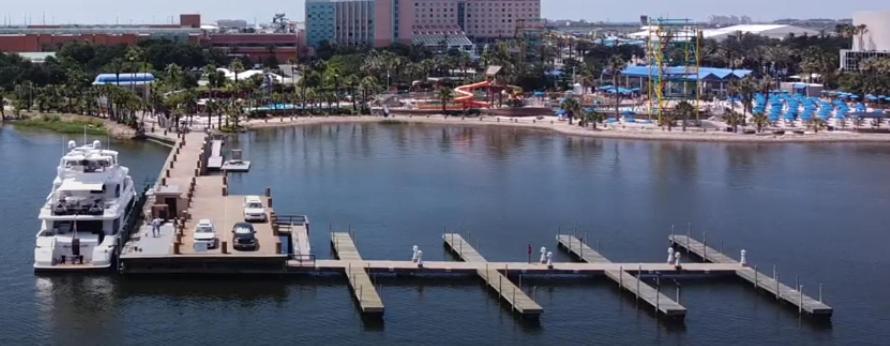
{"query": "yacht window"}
[(117, 190), (117, 226)]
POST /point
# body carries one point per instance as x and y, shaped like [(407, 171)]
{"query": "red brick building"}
[(257, 47)]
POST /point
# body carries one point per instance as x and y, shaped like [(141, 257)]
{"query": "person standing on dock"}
[(156, 227)]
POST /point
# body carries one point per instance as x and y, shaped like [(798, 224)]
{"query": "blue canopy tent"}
[(825, 110)]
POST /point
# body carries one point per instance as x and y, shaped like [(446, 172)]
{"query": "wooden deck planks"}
[(512, 294), (791, 295), (365, 293), (623, 277)]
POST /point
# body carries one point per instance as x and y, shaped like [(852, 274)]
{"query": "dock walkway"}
[(215, 159), (191, 194), (803, 302), (362, 287), (624, 278), (518, 300)]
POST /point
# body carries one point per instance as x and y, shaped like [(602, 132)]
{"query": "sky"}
[(161, 11)]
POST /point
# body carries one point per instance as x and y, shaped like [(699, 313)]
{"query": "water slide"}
[(467, 97)]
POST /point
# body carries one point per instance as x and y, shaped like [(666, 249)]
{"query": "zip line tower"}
[(673, 49)]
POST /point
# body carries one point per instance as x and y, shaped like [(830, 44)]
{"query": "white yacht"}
[(86, 211)]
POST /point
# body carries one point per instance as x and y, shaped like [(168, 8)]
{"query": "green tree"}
[(445, 95), (761, 121), (684, 110), (617, 64), (572, 108)]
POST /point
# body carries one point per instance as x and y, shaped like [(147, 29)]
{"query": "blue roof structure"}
[(124, 79), (682, 73)]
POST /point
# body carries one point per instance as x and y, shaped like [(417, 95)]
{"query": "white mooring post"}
[(639, 277), (620, 277), (544, 254), (670, 255), (800, 292), (743, 261), (414, 250), (657, 293), (755, 277), (678, 293)]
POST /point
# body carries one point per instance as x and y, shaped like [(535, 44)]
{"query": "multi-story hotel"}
[(383, 22)]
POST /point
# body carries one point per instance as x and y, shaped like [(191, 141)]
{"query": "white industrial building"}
[(873, 42), (777, 31)]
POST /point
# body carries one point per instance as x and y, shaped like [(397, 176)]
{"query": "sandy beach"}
[(550, 124)]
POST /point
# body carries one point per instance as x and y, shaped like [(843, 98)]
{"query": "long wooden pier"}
[(362, 288), (187, 192), (509, 292), (772, 285), (661, 303)]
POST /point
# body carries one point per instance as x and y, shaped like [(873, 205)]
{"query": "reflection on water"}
[(814, 211)]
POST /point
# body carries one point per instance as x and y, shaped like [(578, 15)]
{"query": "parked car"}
[(254, 211), (205, 235), (244, 237)]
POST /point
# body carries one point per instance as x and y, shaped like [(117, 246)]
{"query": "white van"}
[(254, 211)]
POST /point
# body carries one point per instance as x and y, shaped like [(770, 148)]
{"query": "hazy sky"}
[(142, 11)]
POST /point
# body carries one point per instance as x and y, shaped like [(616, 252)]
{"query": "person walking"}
[(156, 227)]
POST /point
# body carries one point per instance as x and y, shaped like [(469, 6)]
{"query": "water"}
[(814, 211)]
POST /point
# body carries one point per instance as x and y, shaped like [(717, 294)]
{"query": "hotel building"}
[(383, 22)]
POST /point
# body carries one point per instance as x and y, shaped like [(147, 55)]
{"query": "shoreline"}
[(573, 130), (63, 120)]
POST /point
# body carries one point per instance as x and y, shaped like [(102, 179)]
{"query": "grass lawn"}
[(67, 126)]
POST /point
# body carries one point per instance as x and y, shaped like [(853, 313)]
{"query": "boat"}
[(86, 212)]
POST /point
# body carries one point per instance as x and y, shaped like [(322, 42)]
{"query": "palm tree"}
[(215, 80), (351, 82), (572, 108), (684, 110), (746, 89), (595, 117), (735, 120), (616, 65), (861, 30), (818, 124), (369, 86), (761, 121), (445, 95)]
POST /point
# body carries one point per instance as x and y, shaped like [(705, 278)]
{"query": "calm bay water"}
[(814, 211)]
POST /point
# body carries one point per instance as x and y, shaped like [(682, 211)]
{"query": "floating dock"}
[(362, 288), (771, 285), (513, 295), (623, 278), (188, 190), (215, 159)]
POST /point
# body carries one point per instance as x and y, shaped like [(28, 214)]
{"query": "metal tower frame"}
[(665, 37)]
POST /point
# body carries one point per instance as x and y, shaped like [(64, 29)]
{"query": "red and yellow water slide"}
[(467, 98)]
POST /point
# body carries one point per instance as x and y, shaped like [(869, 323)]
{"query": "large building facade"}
[(384, 22), (256, 47), (873, 42)]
